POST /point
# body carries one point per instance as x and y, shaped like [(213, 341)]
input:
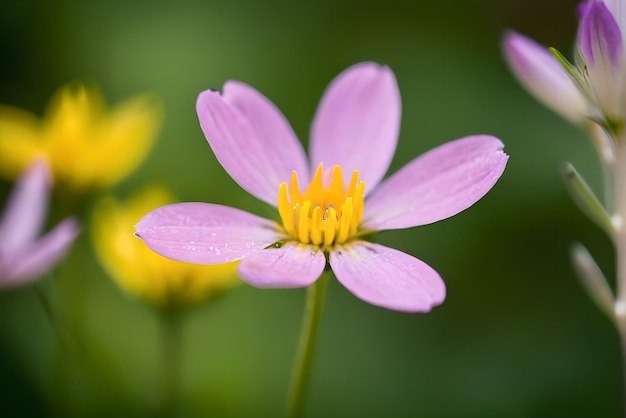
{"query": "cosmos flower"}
[(24, 257), (332, 202), (142, 273), (86, 145)]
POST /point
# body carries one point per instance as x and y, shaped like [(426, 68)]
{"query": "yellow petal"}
[(122, 140), (70, 123), (87, 145), (20, 141)]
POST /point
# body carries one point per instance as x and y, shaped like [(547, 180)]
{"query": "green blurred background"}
[(517, 335)]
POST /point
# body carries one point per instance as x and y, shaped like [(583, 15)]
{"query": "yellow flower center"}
[(322, 215)]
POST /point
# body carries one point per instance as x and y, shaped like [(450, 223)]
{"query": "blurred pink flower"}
[(592, 89), (542, 75), (601, 48), (329, 220), (24, 257)]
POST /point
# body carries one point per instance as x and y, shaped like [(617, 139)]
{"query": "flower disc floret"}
[(322, 215)]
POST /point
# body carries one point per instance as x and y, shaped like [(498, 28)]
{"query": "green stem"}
[(65, 349), (169, 362), (306, 348), (52, 315)]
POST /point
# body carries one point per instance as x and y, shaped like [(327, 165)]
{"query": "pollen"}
[(327, 213)]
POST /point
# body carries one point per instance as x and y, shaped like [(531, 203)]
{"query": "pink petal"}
[(32, 263), (601, 45), (599, 36), (204, 233), (388, 278), (358, 122), (542, 75), (251, 139), (618, 10), (292, 265), (24, 213), (439, 184)]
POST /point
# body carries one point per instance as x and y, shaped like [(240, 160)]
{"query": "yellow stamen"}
[(322, 215)]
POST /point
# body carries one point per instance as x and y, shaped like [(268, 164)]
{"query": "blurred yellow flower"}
[(87, 145), (141, 272)]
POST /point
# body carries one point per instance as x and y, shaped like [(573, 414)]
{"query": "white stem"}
[(619, 186), (619, 236), (606, 152)]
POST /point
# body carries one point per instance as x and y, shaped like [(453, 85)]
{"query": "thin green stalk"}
[(169, 365), (306, 347), (55, 322), (69, 362), (65, 350)]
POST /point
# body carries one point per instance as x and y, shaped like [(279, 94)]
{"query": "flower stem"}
[(620, 247), (169, 362), (66, 350), (306, 347), (607, 153), (51, 313), (621, 329)]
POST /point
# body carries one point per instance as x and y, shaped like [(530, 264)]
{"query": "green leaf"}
[(593, 280), (572, 70), (586, 200)]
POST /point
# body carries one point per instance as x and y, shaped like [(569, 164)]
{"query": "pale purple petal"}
[(204, 233), (292, 265), (32, 262), (388, 278), (357, 123), (582, 7), (543, 76), (251, 139), (618, 10), (601, 46), (437, 185), (599, 36), (25, 210)]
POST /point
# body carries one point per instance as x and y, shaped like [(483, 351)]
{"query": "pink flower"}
[(593, 89), (540, 72), (23, 256), (601, 47), (330, 203)]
